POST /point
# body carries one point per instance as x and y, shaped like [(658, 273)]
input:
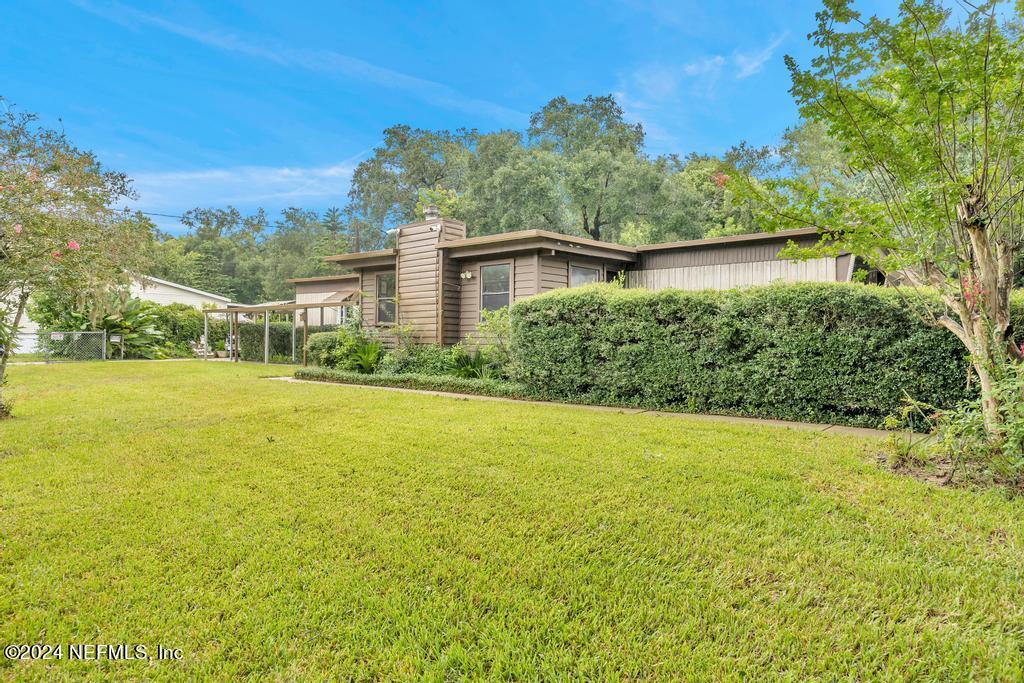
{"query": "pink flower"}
[(18, 229), (55, 254), (74, 246), (719, 179)]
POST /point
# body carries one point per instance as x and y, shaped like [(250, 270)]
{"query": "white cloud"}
[(750, 63), (172, 192), (327, 62)]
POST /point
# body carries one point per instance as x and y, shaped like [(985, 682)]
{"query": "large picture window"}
[(386, 298), (581, 275), (495, 286)]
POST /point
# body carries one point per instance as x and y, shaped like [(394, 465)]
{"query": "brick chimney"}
[(431, 213)]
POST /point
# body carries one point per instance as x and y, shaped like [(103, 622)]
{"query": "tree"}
[(296, 248), (59, 229), (929, 110), (385, 187), (510, 187), (598, 160)]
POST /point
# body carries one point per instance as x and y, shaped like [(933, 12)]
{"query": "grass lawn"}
[(298, 531)]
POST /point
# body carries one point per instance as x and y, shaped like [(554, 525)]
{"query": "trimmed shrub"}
[(429, 359), (448, 383), (345, 349), (837, 353)]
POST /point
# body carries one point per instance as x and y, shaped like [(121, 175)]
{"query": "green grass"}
[(298, 531)]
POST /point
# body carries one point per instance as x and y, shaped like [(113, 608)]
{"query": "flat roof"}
[(507, 240), (505, 237), (325, 278), (362, 255), (271, 308), (731, 239)]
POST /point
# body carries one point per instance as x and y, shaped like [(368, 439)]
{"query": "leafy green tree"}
[(510, 187), (59, 227), (447, 203), (296, 248), (927, 107), (597, 159), (386, 186)]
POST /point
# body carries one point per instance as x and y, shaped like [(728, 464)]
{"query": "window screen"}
[(495, 286), (386, 298), (578, 275)]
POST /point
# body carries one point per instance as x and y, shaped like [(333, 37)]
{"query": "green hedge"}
[(428, 359), (182, 324), (457, 385), (836, 353)]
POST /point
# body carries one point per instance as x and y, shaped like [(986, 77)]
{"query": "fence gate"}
[(57, 346)]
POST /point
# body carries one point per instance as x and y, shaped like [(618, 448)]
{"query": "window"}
[(494, 286), (579, 275), (385, 298)]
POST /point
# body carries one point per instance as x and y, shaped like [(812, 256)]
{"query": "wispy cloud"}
[(750, 63), (657, 95), (178, 190), (327, 62), (245, 187)]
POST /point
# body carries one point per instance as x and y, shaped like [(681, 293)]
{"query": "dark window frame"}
[(378, 299), (511, 284), (599, 269)]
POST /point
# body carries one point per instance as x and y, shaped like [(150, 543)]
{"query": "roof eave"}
[(731, 239)]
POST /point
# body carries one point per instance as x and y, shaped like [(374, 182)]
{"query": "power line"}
[(164, 215)]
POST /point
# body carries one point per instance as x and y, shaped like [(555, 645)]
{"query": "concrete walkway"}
[(861, 432)]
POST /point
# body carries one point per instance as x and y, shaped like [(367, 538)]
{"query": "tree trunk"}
[(22, 301)]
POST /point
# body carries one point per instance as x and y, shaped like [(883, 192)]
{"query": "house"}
[(437, 281), (163, 292)]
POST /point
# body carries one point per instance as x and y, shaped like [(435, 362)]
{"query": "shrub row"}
[(844, 354), (182, 325), (250, 339), (447, 383)]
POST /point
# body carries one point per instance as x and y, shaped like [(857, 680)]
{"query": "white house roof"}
[(167, 283)]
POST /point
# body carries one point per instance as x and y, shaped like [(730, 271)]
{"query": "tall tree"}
[(598, 159), (58, 225), (928, 108), (385, 186)]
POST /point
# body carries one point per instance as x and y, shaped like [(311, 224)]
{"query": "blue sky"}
[(272, 104)]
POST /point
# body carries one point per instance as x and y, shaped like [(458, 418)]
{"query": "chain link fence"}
[(57, 346)]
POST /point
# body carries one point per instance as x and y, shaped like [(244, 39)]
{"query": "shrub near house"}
[(810, 352)]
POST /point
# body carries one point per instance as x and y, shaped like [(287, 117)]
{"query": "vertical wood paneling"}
[(418, 264), (729, 276)]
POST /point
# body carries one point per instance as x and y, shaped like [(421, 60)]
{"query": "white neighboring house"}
[(163, 292), (145, 287)]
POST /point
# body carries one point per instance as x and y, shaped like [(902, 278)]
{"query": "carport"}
[(234, 314)]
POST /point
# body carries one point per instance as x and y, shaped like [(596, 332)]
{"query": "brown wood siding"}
[(714, 255), (525, 277), (418, 263), (469, 298), (554, 272), (452, 301), (451, 285), (368, 287)]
